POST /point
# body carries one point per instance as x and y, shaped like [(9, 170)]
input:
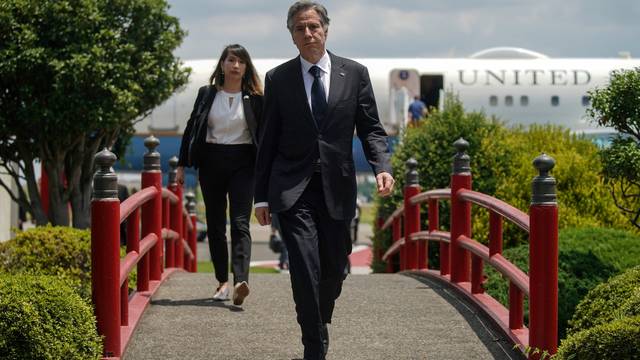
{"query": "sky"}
[(417, 28)]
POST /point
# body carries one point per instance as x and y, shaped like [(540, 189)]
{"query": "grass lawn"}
[(367, 213), (207, 267)]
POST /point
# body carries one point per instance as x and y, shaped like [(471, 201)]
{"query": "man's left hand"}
[(385, 183)]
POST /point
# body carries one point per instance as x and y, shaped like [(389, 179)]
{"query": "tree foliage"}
[(618, 106), (75, 75)]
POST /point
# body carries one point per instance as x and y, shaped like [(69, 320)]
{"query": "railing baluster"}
[(133, 233), (477, 275), (495, 233), (166, 224), (434, 221), (124, 303), (516, 307)]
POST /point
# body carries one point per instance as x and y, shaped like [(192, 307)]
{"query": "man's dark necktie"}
[(318, 97)]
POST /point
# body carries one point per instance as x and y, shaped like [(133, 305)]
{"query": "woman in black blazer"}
[(220, 140)]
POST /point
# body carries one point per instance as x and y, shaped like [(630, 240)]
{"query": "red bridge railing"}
[(462, 258), (161, 239)]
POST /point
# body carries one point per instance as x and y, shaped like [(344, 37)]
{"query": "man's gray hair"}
[(305, 5)]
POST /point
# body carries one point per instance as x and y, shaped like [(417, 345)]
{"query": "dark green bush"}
[(587, 257), (41, 317), (51, 250), (616, 340), (608, 301)]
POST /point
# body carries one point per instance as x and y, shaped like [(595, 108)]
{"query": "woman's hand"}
[(263, 216), (180, 175)]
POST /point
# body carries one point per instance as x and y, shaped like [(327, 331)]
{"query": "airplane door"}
[(431, 87), (404, 84)]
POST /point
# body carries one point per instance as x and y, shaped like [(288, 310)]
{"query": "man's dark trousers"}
[(318, 248)]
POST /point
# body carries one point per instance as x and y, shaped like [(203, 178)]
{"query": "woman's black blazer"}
[(195, 134)]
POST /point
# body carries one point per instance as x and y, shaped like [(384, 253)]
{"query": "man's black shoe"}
[(325, 338)]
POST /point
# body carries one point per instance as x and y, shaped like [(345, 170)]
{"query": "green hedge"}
[(42, 317), (609, 301), (616, 340), (587, 257), (583, 197), (51, 250), (606, 324), (54, 250)]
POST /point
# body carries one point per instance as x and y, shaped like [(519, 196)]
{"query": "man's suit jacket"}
[(196, 128), (292, 142)]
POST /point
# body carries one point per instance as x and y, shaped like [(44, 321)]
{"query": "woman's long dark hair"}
[(250, 80)]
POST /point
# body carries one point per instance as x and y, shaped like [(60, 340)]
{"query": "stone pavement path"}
[(386, 316)]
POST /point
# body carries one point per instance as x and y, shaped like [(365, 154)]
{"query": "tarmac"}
[(381, 316)]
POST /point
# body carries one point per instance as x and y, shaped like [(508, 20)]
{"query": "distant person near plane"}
[(220, 140), (417, 110)]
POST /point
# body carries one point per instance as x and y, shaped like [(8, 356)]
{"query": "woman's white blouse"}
[(226, 123)]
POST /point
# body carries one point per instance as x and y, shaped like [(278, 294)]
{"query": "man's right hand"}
[(263, 215)]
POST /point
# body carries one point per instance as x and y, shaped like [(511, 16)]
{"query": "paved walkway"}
[(386, 316), (262, 256)]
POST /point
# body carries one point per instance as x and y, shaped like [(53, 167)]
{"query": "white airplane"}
[(517, 85)]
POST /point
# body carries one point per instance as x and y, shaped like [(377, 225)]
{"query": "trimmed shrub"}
[(41, 317), (51, 250), (631, 307), (583, 197), (616, 340), (54, 250), (608, 302), (587, 257)]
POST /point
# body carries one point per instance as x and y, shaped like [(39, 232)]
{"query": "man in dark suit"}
[(305, 171)]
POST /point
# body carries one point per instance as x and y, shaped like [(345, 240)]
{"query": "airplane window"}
[(508, 100), (493, 100), (585, 101), (555, 100), (524, 100)]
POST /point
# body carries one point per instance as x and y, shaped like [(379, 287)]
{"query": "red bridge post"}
[(176, 214), (460, 260), (415, 250), (543, 260), (152, 210), (105, 252), (191, 207)]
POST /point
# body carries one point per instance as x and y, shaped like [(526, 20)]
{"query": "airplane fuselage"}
[(518, 91)]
